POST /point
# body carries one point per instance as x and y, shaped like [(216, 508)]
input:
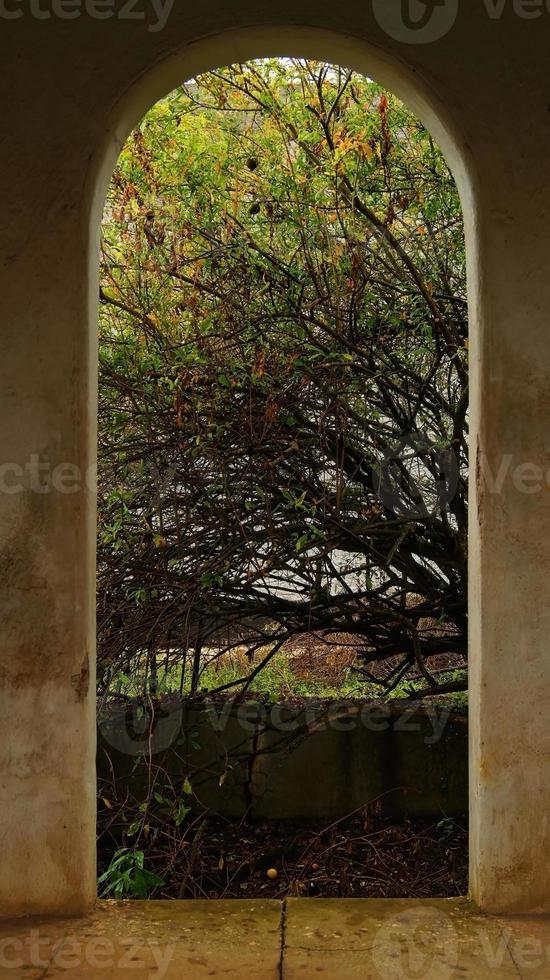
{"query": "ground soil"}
[(358, 856), (355, 857)]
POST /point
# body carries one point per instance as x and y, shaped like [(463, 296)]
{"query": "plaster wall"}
[(71, 89)]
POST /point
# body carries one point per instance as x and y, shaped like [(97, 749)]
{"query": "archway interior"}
[(283, 429)]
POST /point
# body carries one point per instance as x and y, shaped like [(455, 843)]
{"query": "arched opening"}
[(73, 101), (153, 231)]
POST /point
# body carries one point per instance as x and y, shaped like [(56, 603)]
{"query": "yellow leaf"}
[(366, 149)]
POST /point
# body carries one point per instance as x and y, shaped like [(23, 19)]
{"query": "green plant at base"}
[(126, 876)]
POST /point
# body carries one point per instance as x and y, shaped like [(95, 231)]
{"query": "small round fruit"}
[(272, 874)]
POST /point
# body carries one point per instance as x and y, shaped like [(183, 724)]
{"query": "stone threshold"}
[(294, 939)]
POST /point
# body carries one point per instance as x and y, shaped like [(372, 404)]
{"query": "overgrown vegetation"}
[(292, 676), (283, 453), (360, 856), (283, 399)]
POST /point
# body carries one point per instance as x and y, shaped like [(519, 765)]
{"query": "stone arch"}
[(68, 111)]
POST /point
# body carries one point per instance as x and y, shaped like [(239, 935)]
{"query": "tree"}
[(283, 394)]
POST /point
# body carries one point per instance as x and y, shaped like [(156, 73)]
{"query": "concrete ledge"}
[(341, 939), (387, 939), (154, 940)]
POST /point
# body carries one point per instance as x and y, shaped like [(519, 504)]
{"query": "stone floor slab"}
[(302, 939), (394, 940), (187, 940)]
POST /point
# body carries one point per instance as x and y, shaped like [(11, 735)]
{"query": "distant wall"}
[(282, 762)]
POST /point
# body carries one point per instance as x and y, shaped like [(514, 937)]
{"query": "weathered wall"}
[(283, 762), (70, 90)]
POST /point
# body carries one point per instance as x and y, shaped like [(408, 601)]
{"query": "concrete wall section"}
[(280, 762), (71, 89)]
